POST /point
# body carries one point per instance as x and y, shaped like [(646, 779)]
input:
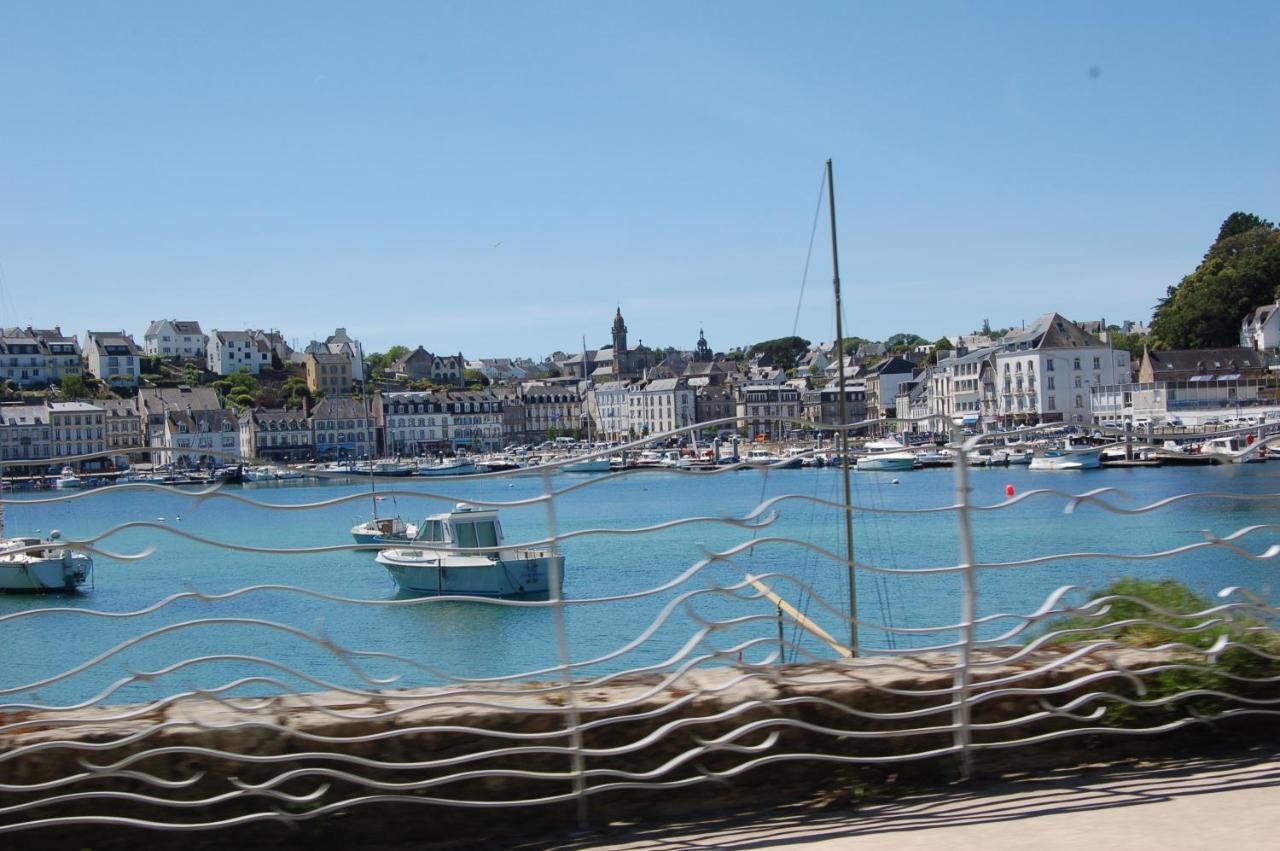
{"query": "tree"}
[(943, 345), (904, 342), (474, 377), (783, 352), (1240, 271), (74, 387), (851, 344)]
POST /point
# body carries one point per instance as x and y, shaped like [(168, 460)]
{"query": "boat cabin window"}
[(482, 533), (432, 530)]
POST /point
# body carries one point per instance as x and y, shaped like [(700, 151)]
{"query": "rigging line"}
[(813, 232)]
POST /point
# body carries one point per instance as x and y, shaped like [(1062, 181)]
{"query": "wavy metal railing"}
[(284, 740)]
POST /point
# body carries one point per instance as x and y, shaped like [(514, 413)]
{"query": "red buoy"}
[(1008, 490)]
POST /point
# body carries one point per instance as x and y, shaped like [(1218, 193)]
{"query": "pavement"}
[(1194, 803)]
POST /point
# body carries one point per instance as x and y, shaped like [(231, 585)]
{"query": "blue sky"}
[(495, 177)]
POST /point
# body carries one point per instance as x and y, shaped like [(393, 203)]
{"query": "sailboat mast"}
[(843, 409)]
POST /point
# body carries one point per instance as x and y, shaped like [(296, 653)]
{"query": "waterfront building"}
[(767, 409), (822, 404), (1261, 328), (174, 338), (714, 402), (551, 409), (343, 428), (155, 402), (113, 357), (1201, 365), (1179, 381), (474, 420), (236, 351), (25, 435), (123, 423), (276, 434), (881, 384), (608, 408), (77, 430), (955, 388), (411, 423), (1045, 373), (342, 343), (199, 438), (329, 373), (660, 405)]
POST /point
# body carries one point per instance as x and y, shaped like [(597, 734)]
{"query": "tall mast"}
[(843, 409)]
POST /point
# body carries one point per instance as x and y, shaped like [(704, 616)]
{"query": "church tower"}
[(702, 354), (621, 364)]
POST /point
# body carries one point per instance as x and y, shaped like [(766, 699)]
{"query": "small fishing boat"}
[(462, 552), (1067, 457), (586, 465), (758, 457), (42, 564), (1233, 449), (384, 530)]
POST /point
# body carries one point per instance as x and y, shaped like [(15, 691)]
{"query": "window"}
[(1078, 381), (1077, 364), (465, 534), (1079, 401), (1097, 363)]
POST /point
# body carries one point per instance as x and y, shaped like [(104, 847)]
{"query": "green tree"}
[(784, 352), (904, 342), (1240, 271), (74, 387), (851, 344), (474, 377)]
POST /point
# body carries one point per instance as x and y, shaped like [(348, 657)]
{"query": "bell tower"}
[(620, 362)]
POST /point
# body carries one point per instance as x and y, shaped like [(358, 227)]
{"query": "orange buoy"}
[(1008, 490)]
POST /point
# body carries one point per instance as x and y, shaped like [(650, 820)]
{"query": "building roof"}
[(113, 343), (156, 399), (329, 357), (276, 418), (892, 366), (1051, 331), (181, 326), (28, 415), (341, 408), (120, 407), (1205, 361)]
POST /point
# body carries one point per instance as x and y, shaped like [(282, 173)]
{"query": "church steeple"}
[(621, 364), (702, 353)]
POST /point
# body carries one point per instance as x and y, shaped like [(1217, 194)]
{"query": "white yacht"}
[(68, 479), (387, 467), (462, 552), (586, 465), (886, 454), (49, 565), (759, 457)]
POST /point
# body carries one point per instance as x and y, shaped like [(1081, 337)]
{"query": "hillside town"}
[(184, 392)]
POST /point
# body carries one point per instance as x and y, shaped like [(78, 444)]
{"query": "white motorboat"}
[(42, 564), (1067, 458), (935, 458), (758, 457), (384, 530), (1019, 456), (387, 467), (586, 465), (886, 455), (448, 467), (649, 458), (462, 552), (1233, 449), (68, 479)]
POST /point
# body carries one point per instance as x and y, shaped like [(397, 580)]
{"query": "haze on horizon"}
[(495, 178)]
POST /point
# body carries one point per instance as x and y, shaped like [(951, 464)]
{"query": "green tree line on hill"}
[(1240, 271)]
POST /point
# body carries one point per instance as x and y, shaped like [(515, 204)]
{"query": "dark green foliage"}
[(784, 352), (1230, 672), (904, 342), (74, 387), (474, 377), (1240, 271)]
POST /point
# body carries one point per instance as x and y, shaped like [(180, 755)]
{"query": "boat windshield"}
[(482, 533), (432, 530)]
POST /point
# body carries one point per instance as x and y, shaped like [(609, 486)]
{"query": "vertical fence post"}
[(576, 762), (968, 605)]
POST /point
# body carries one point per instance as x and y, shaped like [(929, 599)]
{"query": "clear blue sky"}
[(494, 178)]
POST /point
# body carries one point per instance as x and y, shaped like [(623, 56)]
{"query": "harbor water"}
[(415, 643)]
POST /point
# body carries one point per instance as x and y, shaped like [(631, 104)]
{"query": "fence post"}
[(968, 604), (576, 762)]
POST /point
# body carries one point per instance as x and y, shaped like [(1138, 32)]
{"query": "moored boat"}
[(67, 480), (42, 564), (886, 455), (462, 552)]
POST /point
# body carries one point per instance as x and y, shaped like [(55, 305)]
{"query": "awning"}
[(972, 419)]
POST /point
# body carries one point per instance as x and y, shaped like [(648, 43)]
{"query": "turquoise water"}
[(465, 639)]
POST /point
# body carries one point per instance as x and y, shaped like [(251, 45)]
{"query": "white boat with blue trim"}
[(463, 553)]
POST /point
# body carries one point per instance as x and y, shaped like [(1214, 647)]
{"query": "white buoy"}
[(159, 519), (895, 481)]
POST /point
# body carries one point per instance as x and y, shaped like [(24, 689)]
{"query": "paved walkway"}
[(1192, 804)]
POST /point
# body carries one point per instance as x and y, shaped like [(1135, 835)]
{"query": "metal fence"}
[(751, 669)]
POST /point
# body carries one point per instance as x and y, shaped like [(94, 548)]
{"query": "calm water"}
[(478, 640)]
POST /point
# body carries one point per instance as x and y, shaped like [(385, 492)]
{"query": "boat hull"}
[(595, 465), (422, 573), (886, 464), (35, 576)]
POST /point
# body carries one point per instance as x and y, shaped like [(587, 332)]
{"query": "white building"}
[(200, 438), (663, 404), (233, 351), (765, 409), (113, 357), (1046, 372), (609, 407), (174, 338), (1261, 328)]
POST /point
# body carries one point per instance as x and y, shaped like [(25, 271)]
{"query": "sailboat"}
[(586, 465), (382, 530)]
